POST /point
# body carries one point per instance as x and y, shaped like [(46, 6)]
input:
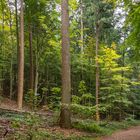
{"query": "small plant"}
[(76, 99), (82, 88), (54, 98), (32, 99)]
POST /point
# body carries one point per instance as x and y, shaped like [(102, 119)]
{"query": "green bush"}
[(87, 126), (83, 111), (32, 100), (54, 98)]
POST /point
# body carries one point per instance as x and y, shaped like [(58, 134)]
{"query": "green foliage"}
[(83, 111), (54, 98), (32, 100), (114, 85), (82, 88), (76, 99), (87, 126)]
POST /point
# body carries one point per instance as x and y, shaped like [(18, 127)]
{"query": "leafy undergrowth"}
[(36, 127), (104, 127)]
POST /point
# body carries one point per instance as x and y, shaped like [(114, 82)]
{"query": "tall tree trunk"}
[(82, 28), (65, 115), (17, 30), (11, 63), (82, 37), (21, 59), (31, 82), (36, 68), (2, 47), (17, 37), (97, 72)]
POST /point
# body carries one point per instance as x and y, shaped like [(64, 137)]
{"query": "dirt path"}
[(130, 134)]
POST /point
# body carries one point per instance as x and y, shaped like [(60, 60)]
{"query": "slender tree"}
[(11, 63), (97, 67), (17, 28), (31, 82), (65, 115), (21, 59), (82, 27)]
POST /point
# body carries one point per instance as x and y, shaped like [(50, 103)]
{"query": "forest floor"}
[(129, 134), (44, 123)]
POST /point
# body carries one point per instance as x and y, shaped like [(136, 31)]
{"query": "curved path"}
[(129, 134)]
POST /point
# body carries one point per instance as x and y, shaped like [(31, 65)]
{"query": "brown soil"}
[(130, 134), (10, 104)]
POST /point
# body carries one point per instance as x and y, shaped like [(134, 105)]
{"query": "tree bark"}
[(11, 63), (17, 29), (97, 73), (2, 48), (65, 115), (31, 82), (17, 37), (36, 68), (82, 28), (21, 59)]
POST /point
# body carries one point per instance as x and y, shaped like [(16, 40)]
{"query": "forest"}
[(69, 69)]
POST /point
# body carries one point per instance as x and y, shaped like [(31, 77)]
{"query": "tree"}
[(21, 58), (97, 70), (65, 115), (114, 100)]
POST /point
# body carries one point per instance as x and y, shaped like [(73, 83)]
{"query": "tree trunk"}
[(11, 63), (82, 28), (31, 82), (97, 73), (36, 75), (17, 36), (17, 31), (82, 37), (36, 68), (21, 59), (2, 48), (65, 115)]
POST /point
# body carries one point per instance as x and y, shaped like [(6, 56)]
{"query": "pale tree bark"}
[(21, 59), (65, 115)]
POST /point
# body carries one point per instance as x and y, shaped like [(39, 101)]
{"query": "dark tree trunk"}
[(65, 115)]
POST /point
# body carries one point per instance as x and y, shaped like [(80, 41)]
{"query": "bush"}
[(87, 126), (54, 98), (32, 99), (83, 111)]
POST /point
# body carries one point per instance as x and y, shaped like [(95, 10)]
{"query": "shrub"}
[(83, 111), (87, 126)]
